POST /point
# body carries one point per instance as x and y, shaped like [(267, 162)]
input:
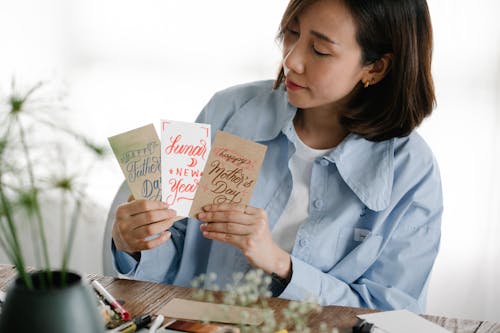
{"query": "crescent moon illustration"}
[(194, 161)]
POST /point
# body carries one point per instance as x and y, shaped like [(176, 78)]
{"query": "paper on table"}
[(138, 153), (221, 313), (402, 321), (230, 173)]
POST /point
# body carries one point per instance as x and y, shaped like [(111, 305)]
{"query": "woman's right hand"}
[(137, 220)]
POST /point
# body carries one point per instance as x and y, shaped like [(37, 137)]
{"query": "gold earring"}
[(368, 82)]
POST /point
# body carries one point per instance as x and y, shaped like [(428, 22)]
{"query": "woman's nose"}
[(293, 59)]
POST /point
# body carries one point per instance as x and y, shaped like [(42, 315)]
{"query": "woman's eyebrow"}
[(323, 37), (317, 34)]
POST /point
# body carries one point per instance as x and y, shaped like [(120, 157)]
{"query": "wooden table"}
[(146, 297)]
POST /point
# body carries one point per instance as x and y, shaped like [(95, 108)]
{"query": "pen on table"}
[(111, 300), (156, 324), (136, 324)]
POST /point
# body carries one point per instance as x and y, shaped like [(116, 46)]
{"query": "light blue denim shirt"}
[(374, 213)]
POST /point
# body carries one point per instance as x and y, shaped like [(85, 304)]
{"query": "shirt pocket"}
[(348, 239), (357, 249)]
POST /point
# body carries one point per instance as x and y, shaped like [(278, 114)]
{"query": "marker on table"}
[(111, 300)]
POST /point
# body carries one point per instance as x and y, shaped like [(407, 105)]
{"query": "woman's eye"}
[(321, 54), (292, 31)]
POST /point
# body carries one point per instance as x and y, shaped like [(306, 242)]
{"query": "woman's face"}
[(321, 57)]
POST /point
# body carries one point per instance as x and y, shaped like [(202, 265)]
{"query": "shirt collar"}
[(367, 167), (262, 117)]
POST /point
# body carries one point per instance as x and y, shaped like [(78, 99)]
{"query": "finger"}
[(228, 228), (152, 243), (152, 229), (139, 206), (224, 207), (151, 216), (226, 216), (231, 207), (235, 240)]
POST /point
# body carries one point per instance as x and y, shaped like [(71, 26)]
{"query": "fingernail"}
[(166, 205), (206, 208), (202, 215)]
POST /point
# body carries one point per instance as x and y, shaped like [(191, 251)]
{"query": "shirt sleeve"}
[(159, 264), (125, 264), (394, 264)]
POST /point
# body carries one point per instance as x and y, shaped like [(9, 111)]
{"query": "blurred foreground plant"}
[(34, 147), (252, 290)]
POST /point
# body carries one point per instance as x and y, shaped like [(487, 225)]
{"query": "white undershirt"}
[(296, 210)]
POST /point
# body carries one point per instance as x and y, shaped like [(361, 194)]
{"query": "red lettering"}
[(178, 187), (184, 149)]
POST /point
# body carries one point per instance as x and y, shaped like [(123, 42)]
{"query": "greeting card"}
[(230, 172), (138, 153), (204, 311), (184, 152)]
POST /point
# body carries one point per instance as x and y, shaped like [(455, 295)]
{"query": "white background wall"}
[(126, 63)]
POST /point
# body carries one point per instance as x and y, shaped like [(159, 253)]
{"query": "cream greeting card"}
[(184, 151), (138, 153), (230, 172)]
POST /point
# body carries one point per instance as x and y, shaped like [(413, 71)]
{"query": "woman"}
[(348, 203)]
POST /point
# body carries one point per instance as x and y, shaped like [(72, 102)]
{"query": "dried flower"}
[(252, 290)]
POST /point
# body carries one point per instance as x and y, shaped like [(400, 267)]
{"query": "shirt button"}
[(323, 162), (318, 203), (302, 242)]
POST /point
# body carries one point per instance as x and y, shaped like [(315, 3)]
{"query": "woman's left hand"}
[(247, 228)]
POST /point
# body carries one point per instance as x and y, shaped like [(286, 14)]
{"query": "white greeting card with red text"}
[(184, 151)]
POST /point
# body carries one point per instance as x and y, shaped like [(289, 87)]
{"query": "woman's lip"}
[(292, 85)]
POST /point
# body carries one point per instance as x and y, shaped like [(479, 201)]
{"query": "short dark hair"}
[(405, 96)]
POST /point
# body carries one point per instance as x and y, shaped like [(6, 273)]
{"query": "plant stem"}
[(9, 240), (16, 249), (71, 237), (6, 243), (64, 202), (36, 200), (32, 90)]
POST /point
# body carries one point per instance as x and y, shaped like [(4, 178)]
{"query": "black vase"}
[(61, 309)]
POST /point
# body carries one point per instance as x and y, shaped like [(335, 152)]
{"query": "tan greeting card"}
[(230, 172), (221, 313), (138, 153)]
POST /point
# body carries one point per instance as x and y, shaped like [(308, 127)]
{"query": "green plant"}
[(252, 290), (34, 142)]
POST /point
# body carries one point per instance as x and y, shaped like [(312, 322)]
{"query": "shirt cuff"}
[(305, 282), (124, 263)]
